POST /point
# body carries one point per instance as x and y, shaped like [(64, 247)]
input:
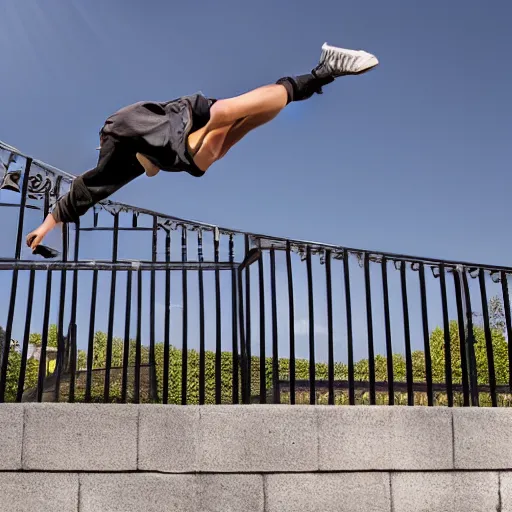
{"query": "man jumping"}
[(187, 134)]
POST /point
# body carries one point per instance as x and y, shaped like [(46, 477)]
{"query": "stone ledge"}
[(483, 438), (252, 439), (153, 492), (11, 436), (324, 492), (258, 439), (80, 437), (384, 438), (445, 491), (41, 492)]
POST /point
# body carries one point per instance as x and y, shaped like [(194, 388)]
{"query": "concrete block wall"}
[(109, 458)]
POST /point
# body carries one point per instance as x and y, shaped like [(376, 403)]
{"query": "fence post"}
[(470, 338), (243, 349)]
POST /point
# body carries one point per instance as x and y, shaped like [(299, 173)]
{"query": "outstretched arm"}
[(36, 237), (117, 166)]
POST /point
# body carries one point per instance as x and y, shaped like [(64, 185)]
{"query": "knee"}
[(221, 113)]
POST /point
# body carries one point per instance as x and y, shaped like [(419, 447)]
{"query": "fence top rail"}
[(259, 240), (12, 264)]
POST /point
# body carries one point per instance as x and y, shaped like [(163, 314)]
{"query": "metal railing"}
[(260, 319)]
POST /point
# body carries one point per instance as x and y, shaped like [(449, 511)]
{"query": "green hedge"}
[(500, 351)]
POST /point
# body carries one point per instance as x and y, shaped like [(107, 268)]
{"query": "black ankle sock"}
[(302, 87), (286, 82)]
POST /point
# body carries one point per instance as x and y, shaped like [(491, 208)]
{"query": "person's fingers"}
[(36, 241), (30, 238)]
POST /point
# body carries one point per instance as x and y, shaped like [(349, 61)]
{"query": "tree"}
[(37, 338), (497, 315), (13, 374), (302, 368)]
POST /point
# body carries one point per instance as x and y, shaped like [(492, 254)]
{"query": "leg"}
[(224, 129), (242, 127), (227, 136), (231, 119), (224, 113)]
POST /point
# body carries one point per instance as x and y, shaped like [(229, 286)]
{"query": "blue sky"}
[(413, 157)]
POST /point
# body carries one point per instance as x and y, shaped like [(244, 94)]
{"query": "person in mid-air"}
[(187, 134)]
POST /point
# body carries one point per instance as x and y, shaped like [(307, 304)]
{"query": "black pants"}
[(117, 166)]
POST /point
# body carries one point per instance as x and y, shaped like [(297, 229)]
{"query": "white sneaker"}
[(335, 62)]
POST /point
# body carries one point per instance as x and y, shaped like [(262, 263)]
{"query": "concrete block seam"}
[(500, 503), (391, 504), (317, 425), (265, 492), (137, 441), (453, 439), (79, 492), (198, 440), (22, 461)]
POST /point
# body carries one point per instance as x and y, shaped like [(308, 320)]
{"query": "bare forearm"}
[(37, 236), (49, 223)]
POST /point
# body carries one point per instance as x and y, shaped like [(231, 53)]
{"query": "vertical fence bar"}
[(72, 343), (96, 213), (126, 343), (311, 307), (184, 351), (202, 352), (407, 334), (387, 324), (488, 338), (218, 326), (291, 321), (330, 328), (138, 346), (153, 393), (26, 337), (350, 338), (14, 283), (276, 393), (111, 312), (23, 203), (72, 320), (263, 365), (44, 337), (369, 322), (248, 335), (426, 336), (244, 362), (506, 307), (60, 320), (90, 345), (46, 203), (470, 340), (234, 322), (447, 344), (462, 338), (167, 319), (8, 333)]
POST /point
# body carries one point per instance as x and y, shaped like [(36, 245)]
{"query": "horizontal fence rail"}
[(144, 307)]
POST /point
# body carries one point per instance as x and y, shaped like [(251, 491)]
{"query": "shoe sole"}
[(370, 64)]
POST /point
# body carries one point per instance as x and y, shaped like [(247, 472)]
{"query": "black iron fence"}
[(143, 307)]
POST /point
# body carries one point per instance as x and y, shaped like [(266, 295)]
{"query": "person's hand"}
[(36, 237)]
